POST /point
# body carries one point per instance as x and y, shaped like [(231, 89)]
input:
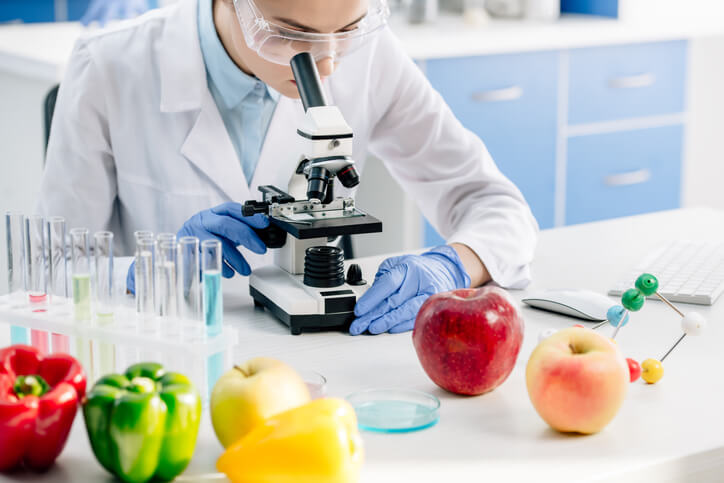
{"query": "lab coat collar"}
[(182, 72), (232, 83)]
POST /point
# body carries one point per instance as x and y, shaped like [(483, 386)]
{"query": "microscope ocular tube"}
[(211, 274), (80, 268), (103, 254)]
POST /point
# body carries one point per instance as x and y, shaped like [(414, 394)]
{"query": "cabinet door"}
[(510, 101), (27, 10), (626, 81), (623, 173)]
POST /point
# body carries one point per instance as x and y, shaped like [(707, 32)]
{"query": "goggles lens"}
[(279, 44)]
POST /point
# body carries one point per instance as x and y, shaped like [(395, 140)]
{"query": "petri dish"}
[(394, 410), (316, 383)]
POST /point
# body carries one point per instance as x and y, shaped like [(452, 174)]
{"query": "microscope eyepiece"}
[(348, 176)]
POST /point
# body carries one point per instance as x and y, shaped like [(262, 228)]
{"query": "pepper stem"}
[(30, 385), (241, 370)]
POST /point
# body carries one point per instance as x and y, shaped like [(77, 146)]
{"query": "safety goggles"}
[(279, 44)]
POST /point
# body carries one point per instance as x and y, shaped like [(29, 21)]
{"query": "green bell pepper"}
[(143, 424)]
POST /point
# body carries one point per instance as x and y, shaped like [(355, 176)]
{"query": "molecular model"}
[(632, 300)]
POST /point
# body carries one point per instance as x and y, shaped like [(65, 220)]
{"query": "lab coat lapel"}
[(209, 148), (282, 148), (184, 88)]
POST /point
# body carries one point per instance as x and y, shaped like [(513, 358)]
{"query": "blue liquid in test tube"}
[(213, 305)]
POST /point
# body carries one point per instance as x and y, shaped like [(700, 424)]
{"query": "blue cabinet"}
[(627, 81), (623, 173), (510, 102), (27, 11)]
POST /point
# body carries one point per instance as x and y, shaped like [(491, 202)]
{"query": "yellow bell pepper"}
[(315, 443)]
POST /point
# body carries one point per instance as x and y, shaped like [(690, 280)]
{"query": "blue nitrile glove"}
[(402, 284), (226, 224), (103, 11)]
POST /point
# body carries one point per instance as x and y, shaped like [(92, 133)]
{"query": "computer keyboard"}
[(688, 272)]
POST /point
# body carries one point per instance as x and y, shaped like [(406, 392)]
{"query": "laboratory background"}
[(608, 115)]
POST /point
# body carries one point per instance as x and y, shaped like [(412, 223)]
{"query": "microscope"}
[(306, 287)]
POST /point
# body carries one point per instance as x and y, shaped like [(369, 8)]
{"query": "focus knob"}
[(354, 275)]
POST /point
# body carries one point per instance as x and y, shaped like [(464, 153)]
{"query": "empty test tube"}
[(211, 273), (57, 261), (80, 268), (57, 273), (15, 229), (166, 278), (103, 255), (188, 279), (145, 248)]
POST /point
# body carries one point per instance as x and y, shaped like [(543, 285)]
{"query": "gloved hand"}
[(402, 284), (103, 11), (226, 224)]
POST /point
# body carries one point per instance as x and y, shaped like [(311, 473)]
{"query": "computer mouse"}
[(582, 304)]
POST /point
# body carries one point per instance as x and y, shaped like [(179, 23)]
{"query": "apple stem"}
[(241, 370)]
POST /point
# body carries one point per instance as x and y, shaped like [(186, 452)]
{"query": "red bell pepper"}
[(39, 397)]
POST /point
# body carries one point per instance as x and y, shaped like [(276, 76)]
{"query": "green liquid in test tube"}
[(82, 297), (213, 306)]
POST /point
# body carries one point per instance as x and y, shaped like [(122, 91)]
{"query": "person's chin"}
[(288, 89)]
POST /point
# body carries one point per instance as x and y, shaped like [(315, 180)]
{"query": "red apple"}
[(577, 380), (468, 340)]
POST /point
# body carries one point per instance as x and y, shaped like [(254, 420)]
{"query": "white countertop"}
[(40, 50), (671, 431)]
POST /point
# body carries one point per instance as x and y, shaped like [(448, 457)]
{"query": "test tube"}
[(35, 257), (57, 274), (57, 262), (167, 283), (145, 248), (15, 229), (37, 287), (104, 276), (211, 273), (81, 287), (160, 238), (188, 278), (80, 268)]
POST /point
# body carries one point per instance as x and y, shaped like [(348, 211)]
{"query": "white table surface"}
[(41, 50), (671, 431)]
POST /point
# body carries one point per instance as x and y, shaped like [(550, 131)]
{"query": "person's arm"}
[(448, 171), (79, 181)]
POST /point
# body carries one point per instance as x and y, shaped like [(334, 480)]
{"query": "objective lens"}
[(317, 183), (348, 177)]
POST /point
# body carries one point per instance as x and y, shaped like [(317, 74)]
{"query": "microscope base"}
[(301, 307)]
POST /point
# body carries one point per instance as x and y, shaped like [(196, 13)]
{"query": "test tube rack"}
[(171, 336)]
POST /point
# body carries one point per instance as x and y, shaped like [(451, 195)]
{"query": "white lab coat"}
[(138, 143)]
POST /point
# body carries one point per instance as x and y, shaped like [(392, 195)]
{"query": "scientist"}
[(168, 121)]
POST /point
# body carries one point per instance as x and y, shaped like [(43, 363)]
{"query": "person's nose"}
[(325, 66)]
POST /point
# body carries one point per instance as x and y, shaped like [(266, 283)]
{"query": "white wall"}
[(22, 148), (704, 146)]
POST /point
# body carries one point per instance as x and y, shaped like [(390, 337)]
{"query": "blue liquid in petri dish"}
[(395, 411)]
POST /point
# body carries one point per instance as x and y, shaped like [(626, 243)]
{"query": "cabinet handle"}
[(627, 179), (497, 95), (632, 81)]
